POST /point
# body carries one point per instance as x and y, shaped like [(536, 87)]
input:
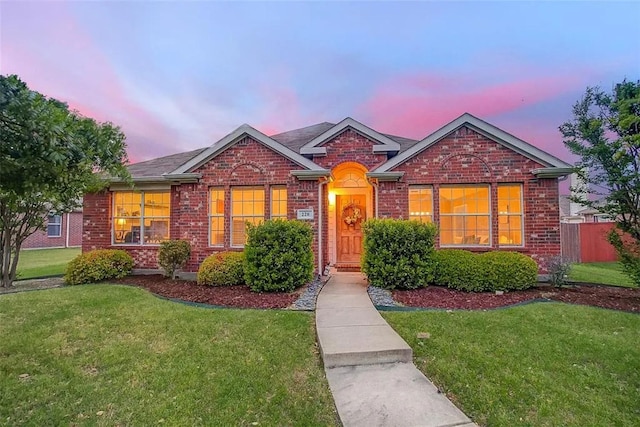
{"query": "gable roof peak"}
[(385, 144), (234, 137), (486, 129)]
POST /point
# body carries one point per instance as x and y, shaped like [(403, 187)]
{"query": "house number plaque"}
[(305, 214)]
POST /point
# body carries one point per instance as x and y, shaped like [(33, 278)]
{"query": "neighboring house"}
[(484, 188), (63, 231)]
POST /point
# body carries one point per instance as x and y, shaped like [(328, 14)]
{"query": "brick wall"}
[(462, 157), (468, 157), (40, 239)]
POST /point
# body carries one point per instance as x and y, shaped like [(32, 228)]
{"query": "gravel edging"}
[(307, 300), (381, 297)]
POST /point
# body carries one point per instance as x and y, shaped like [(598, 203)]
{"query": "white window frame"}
[(419, 217), (232, 216), (271, 190), (217, 215), (53, 223), (507, 214), (142, 218), (465, 214)]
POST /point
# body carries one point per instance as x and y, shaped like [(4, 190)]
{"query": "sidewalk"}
[(369, 366)]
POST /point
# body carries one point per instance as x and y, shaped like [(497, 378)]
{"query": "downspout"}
[(66, 242), (374, 184), (320, 260)]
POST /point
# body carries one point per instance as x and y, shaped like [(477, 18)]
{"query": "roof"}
[(298, 143), (161, 165)]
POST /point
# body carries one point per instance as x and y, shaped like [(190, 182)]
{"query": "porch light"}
[(332, 198)]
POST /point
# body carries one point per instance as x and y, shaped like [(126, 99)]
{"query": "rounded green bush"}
[(222, 269), (398, 253), (503, 271), (97, 265), (278, 256), (459, 269)]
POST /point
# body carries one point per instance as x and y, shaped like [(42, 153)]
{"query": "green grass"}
[(606, 273), (116, 355), (44, 262), (547, 364)]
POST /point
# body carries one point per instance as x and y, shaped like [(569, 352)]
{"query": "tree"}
[(605, 134), (49, 157)]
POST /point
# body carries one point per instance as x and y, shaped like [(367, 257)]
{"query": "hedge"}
[(490, 271), (222, 269), (397, 253), (97, 265), (278, 255)]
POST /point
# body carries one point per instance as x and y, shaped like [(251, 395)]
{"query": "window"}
[(216, 217), (510, 229), (54, 225), (421, 204), (465, 215), (247, 205), (279, 202), (141, 217)]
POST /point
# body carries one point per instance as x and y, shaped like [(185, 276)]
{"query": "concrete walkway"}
[(369, 366)]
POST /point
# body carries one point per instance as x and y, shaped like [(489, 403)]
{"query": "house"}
[(63, 231), (484, 188)]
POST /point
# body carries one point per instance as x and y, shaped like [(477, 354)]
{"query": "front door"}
[(351, 213)]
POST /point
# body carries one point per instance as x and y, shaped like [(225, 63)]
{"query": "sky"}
[(178, 75)]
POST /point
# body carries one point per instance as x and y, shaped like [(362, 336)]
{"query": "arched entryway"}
[(350, 204)]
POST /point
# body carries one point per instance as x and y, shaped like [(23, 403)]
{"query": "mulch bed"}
[(228, 296), (615, 298), (624, 299)]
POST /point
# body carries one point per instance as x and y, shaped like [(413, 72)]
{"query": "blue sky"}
[(180, 75)]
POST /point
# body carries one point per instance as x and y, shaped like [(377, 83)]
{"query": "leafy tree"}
[(49, 157), (605, 134)]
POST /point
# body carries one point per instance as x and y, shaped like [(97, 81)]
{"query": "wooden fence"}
[(587, 242)]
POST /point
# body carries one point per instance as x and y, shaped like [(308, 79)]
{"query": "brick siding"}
[(462, 157)]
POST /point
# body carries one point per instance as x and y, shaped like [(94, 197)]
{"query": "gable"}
[(234, 138), (382, 143), (550, 165)]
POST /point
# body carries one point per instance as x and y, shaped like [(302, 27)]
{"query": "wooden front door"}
[(351, 212)]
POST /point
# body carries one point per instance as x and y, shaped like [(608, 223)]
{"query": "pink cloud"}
[(417, 105), (76, 71)]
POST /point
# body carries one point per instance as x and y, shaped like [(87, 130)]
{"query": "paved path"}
[(369, 366)]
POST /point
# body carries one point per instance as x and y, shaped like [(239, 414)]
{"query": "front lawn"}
[(116, 355), (44, 262), (606, 273), (545, 364)]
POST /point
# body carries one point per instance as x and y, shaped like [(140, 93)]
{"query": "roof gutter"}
[(385, 176), (309, 175), (552, 172)]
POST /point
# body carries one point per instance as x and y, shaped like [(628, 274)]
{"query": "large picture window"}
[(247, 205), (421, 203), (510, 224), (141, 217), (279, 202), (216, 217), (465, 215)]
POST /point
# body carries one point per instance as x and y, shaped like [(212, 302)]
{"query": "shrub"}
[(397, 253), (491, 271), (558, 271), (503, 271), (628, 253), (173, 255), (458, 269), (98, 265), (222, 269), (278, 255)]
